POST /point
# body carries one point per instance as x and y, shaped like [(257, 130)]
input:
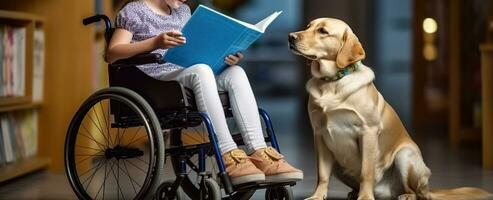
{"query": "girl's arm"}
[(120, 46)]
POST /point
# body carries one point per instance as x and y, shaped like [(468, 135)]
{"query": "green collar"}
[(343, 72)]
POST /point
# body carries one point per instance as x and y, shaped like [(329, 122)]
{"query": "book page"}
[(233, 19), (262, 25)]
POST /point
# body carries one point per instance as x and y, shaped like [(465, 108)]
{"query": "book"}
[(20, 57), (211, 36), (38, 65), (9, 154), (13, 136), (28, 132), (2, 47), (3, 160)]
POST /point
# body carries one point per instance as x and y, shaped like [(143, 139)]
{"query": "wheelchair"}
[(120, 138)]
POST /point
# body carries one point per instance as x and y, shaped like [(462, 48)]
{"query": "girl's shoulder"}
[(130, 16), (184, 8), (132, 7)]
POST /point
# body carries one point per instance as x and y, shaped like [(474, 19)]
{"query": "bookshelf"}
[(487, 97), (20, 100), (466, 104), (69, 75)]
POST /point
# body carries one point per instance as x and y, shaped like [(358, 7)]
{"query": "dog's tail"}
[(463, 193)]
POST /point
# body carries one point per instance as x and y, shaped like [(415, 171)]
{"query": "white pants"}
[(233, 80)]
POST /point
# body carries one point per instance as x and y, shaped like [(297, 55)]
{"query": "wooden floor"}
[(450, 167)]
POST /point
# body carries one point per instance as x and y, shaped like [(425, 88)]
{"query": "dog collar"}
[(343, 72)]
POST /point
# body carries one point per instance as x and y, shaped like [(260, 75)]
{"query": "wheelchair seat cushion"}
[(163, 96)]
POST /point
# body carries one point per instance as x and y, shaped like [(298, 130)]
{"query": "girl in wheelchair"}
[(152, 26)]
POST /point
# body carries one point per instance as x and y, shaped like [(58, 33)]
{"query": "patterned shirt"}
[(137, 18)]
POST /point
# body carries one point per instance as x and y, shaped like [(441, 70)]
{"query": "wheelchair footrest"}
[(256, 186)]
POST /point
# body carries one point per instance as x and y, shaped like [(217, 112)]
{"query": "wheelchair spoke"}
[(135, 133), (130, 177), (136, 140), (100, 127), (92, 175), (119, 135), (80, 161), (104, 181), (119, 189), (84, 147), (140, 159), (83, 155), (102, 146), (106, 122), (81, 175), (143, 171)]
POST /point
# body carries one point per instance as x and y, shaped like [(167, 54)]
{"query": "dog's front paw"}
[(407, 197), (314, 197)]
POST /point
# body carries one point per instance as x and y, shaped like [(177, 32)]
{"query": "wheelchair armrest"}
[(140, 59)]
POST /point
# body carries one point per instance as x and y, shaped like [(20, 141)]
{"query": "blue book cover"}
[(211, 36)]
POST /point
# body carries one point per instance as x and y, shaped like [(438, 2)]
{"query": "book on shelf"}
[(3, 159), (211, 36), (38, 65), (12, 60), (18, 136), (7, 142)]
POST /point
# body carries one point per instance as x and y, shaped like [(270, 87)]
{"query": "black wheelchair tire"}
[(141, 106), (279, 193), (180, 195), (211, 190)]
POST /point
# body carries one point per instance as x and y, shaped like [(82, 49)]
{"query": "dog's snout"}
[(292, 37)]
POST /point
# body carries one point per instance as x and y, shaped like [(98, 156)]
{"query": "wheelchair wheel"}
[(210, 190), (164, 190), (108, 155), (279, 193)]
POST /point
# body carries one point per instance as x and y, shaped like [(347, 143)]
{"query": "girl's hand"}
[(233, 59), (170, 39)]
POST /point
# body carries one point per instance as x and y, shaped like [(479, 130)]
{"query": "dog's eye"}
[(323, 31)]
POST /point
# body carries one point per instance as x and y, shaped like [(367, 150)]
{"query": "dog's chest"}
[(340, 128), (339, 121)]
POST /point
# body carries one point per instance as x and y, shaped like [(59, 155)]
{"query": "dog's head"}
[(327, 39)]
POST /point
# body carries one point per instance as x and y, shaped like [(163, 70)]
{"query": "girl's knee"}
[(203, 71), (201, 68), (235, 71)]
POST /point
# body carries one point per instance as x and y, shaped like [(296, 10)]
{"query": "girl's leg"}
[(245, 111), (201, 80)]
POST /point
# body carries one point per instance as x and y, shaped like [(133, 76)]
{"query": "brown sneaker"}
[(240, 169), (276, 169)]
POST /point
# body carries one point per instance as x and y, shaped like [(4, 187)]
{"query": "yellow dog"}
[(358, 136)]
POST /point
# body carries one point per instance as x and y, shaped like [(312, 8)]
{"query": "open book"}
[(211, 36)]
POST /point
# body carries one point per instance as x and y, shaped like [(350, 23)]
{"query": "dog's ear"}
[(351, 50)]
